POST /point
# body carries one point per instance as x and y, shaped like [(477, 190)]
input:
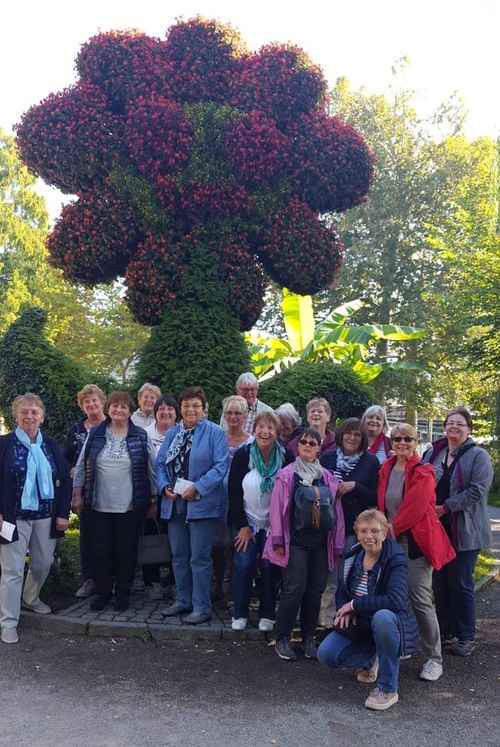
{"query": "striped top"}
[(361, 587)]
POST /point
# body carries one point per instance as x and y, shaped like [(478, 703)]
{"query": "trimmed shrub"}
[(65, 575), (347, 395)]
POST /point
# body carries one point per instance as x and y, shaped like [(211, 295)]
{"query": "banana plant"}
[(332, 339)]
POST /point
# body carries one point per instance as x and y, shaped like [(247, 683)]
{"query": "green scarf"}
[(266, 471)]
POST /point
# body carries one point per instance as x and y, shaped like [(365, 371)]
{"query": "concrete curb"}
[(489, 578)]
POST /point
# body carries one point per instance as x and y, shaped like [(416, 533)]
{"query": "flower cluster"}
[(299, 251), (94, 238), (71, 138), (190, 139)]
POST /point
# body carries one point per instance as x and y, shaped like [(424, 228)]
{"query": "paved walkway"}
[(144, 619)]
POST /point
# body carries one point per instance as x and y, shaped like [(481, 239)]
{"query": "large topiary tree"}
[(187, 141)]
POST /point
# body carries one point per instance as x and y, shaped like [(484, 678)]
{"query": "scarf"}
[(376, 444), (181, 444), (347, 463), (308, 471), (38, 480), (266, 471)]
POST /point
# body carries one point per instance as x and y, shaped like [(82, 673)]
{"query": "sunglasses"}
[(406, 439), (308, 443)]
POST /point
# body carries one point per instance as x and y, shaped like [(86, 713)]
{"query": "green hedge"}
[(347, 395), (65, 575)]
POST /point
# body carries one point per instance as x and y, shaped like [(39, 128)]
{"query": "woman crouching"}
[(374, 620)]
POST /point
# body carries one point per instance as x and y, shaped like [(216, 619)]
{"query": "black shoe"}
[(99, 603), (284, 649), (121, 603), (309, 648)]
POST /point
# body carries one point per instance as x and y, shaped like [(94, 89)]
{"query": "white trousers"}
[(35, 536)]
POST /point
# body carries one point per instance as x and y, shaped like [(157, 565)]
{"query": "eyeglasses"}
[(233, 412), (457, 425), (406, 439), (321, 410), (308, 443), (185, 406)]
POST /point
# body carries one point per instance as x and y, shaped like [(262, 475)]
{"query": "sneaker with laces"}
[(266, 625), (368, 675), (284, 650), (378, 700), (463, 648), (309, 648), (431, 671), (86, 589), (9, 634), (39, 607), (239, 623)]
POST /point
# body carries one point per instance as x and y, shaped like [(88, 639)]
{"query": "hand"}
[(440, 511), (168, 493), (77, 501), (62, 524), (190, 493), (346, 487), (72, 472), (279, 550), (345, 621), (244, 536), (151, 513)]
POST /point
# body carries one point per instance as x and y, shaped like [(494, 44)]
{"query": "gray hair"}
[(376, 410), (152, 388), (289, 411), (247, 378), (34, 399)]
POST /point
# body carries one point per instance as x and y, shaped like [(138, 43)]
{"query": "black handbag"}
[(313, 508), (153, 548)]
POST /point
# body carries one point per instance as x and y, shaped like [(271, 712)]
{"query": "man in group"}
[(247, 387)]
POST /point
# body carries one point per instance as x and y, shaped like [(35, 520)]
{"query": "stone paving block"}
[(81, 605), (54, 623), (186, 633), (250, 634), (116, 628)]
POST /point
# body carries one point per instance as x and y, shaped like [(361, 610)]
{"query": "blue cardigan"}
[(8, 493), (208, 464), (391, 591)]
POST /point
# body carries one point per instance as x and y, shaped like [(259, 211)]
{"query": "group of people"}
[(350, 528)]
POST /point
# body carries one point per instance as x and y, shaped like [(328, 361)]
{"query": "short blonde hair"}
[(270, 417), (27, 397), (87, 391), (320, 401), (371, 514), (406, 429), (235, 401), (152, 387)]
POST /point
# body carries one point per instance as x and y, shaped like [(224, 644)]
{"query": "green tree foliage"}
[(29, 363), (347, 395), (200, 334)]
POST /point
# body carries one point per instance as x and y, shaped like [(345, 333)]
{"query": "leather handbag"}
[(154, 548)]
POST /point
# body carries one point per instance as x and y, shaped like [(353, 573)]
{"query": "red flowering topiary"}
[(194, 141)]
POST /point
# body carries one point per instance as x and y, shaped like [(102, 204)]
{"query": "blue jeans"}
[(191, 545), (339, 651), (244, 571), (454, 596)]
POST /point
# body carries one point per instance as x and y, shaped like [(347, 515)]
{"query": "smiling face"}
[(374, 425), (317, 417), (93, 407), (147, 401), (234, 417), (403, 444), (371, 535), (119, 413), (351, 442), (265, 434), (29, 417), (287, 427), (456, 429), (248, 392), (165, 417), (191, 411)]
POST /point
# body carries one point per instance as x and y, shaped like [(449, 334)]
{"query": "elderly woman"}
[(251, 480), (35, 498), (114, 481), (464, 475), (234, 412), (191, 465), (357, 471), (374, 621), (304, 542), (290, 422), (318, 414), (374, 420), (146, 398), (166, 412), (406, 494), (91, 401)]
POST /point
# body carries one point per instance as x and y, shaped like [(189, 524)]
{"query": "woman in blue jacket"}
[(196, 453), (374, 624)]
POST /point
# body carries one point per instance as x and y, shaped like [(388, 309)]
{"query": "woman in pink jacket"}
[(306, 540)]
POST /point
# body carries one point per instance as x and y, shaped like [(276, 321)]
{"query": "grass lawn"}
[(484, 565), (494, 499)]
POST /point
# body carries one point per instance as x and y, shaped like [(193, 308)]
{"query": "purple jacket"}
[(279, 518)]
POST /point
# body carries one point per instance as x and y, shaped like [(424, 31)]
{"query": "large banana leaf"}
[(298, 316)]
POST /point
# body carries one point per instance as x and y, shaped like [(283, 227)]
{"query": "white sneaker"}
[(239, 623), (368, 675), (431, 671), (9, 635), (86, 589), (266, 625), (40, 607)]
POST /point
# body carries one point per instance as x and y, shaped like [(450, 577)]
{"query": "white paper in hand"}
[(7, 530)]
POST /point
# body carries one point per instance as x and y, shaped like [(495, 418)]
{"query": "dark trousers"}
[(85, 547), (454, 596), (303, 582), (151, 572), (245, 563), (114, 550)]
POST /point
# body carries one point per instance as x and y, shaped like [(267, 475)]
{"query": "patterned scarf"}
[(308, 471), (266, 471), (178, 449), (38, 473), (347, 463)]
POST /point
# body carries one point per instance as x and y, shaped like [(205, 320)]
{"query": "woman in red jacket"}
[(406, 494)]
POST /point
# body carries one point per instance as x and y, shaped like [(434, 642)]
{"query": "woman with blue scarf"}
[(35, 497), (191, 466), (251, 481)]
